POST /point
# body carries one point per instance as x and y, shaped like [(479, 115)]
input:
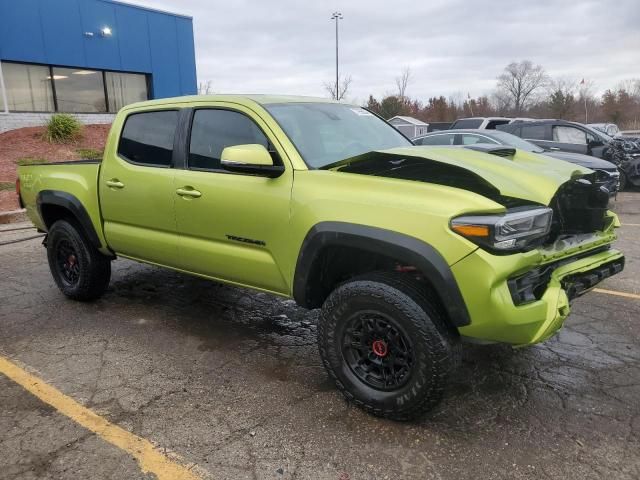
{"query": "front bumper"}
[(498, 315)]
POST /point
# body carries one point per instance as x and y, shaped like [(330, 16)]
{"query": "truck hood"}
[(506, 172)]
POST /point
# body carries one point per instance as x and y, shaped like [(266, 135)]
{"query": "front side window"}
[(214, 130), (79, 90), (125, 88), (326, 133), (533, 132), (147, 138), (28, 87), (441, 139), (573, 135)]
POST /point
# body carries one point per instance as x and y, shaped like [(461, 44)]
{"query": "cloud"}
[(453, 47)]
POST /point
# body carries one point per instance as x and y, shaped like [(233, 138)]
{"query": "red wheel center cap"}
[(379, 347)]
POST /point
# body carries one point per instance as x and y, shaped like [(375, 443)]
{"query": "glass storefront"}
[(43, 88)]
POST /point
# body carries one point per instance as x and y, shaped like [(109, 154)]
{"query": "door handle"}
[(114, 183), (188, 192), (554, 148)]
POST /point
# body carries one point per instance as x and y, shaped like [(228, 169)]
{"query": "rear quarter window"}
[(533, 132), (441, 139), (147, 138)]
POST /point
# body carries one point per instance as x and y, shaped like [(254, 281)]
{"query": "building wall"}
[(11, 121), (142, 40)]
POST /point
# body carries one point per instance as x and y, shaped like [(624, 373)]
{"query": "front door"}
[(232, 226), (136, 189)]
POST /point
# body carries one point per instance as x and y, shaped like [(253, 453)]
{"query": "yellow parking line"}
[(619, 294), (147, 456)]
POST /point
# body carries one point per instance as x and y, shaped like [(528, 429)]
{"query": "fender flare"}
[(405, 248), (74, 206)]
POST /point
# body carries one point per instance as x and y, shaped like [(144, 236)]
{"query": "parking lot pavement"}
[(229, 381)]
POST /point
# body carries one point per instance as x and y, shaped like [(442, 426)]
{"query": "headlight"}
[(515, 230)]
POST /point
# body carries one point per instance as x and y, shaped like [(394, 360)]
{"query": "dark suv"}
[(561, 135)]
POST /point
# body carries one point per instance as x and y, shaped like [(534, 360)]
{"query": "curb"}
[(13, 216)]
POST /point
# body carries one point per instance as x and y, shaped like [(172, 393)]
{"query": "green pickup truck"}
[(408, 250)]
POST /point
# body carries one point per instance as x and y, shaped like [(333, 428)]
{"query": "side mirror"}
[(595, 143), (252, 159)]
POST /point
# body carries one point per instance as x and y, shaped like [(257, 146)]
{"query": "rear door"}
[(537, 134), (235, 224), (136, 188)]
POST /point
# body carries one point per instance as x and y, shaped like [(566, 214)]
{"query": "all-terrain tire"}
[(412, 316), (78, 268)]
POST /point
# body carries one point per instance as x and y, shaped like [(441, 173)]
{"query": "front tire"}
[(78, 268), (385, 344)]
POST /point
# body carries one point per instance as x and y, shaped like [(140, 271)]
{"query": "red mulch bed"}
[(29, 142)]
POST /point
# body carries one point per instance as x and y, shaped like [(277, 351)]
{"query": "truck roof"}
[(261, 99)]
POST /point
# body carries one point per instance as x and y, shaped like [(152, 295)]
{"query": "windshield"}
[(514, 141), (599, 134), (325, 133)]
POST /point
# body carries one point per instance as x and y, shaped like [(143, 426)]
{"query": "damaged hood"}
[(505, 172)]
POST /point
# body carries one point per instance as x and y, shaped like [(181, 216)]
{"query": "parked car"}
[(561, 135), (482, 123), (406, 249), (608, 172)]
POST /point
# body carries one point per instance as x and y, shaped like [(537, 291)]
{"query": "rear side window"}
[(468, 139), (494, 123), (147, 138), (442, 139), (533, 132), (470, 124), (214, 130)]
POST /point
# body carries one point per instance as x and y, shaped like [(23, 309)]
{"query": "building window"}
[(79, 90), (28, 87), (43, 88), (125, 88)]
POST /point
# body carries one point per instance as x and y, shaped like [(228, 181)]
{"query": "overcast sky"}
[(452, 47)]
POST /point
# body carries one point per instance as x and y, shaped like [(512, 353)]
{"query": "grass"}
[(89, 154), (7, 186), (30, 160), (63, 128)]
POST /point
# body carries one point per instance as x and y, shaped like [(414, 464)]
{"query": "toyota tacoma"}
[(408, 250)]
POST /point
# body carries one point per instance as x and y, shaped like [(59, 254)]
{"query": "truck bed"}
[(70, 183)]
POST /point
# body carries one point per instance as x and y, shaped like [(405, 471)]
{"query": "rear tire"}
[(78, 268), (386, 345)]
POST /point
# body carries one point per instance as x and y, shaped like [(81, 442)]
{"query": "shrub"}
[(30, 160), (62, 128), (89, 154)]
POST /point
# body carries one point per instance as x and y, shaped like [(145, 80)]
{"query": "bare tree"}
[(341, 91), (520, 82), (402, 82), (205, 88)]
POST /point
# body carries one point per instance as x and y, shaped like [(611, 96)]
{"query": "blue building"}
[(91, 56)]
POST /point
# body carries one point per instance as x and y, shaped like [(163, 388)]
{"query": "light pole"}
[(337, 16)]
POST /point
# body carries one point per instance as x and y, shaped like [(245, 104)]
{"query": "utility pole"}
[(337, 16)]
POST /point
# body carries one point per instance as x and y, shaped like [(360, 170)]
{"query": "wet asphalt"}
[(231, 382)]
